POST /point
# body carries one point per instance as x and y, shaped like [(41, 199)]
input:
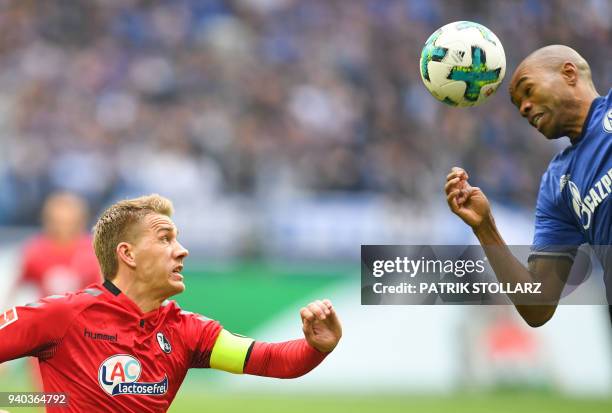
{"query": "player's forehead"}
[(523, 75), (158, 222), (519, 74)]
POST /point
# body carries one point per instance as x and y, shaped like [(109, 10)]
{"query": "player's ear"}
[(125, 254), (569, 71)]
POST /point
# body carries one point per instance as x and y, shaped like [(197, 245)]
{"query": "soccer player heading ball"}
[(121, 346), (553, 90)]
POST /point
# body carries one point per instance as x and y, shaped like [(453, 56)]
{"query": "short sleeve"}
[(556, 231), (200, 334)]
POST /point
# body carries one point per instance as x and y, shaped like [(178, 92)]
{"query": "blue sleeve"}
[(556, 231)]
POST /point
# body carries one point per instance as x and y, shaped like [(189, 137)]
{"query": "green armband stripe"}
[(230, 352)]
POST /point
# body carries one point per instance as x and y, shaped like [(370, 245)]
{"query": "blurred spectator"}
[(61, 258), (502, 353), (202, 99), (58, 260)]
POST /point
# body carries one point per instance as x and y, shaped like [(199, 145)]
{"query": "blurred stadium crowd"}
[(262, 99)]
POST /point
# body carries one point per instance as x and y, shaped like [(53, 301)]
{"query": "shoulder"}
[(557, 162), (70, 303), (601, 103), (192, 325), (599, 119), (554, 180), (173, 311), (555, 173), (604, 117)]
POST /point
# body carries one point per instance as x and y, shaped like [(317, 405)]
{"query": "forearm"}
[(284, 360), (508, 269)]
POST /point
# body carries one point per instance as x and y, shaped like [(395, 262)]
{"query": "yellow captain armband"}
[(230, 352)]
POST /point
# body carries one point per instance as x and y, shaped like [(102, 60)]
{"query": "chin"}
[(551, 130), (175, 287), (551, 135)]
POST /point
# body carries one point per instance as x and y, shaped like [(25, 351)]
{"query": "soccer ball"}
[(462, 63)]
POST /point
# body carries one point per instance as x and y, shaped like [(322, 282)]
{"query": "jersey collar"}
[(112, 288), (128, 303), (587, 120)]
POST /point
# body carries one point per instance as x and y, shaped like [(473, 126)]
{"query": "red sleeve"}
[(35, 329), (284, 360), (200, 335)]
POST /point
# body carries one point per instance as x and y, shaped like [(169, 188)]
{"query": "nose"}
[(181, 252), (525, 108)]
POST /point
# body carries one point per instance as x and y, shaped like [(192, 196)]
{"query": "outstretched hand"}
[(321, 325), (466, 201)]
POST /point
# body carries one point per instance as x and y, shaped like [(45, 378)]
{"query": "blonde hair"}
[(117, 223)]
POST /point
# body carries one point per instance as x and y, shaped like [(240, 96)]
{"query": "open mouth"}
[(535, 120), (176, 273)]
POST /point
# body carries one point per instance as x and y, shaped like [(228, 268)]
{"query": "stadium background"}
[(288, 133)]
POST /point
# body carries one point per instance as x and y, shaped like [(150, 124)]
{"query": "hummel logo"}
[(100, 336)]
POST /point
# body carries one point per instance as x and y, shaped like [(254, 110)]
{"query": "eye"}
[(165, 238), (528, 91)]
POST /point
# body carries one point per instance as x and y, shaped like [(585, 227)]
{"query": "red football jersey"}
[(101, 349), (56, 269)]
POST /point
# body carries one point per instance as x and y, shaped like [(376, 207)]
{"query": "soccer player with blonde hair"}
[(123, 346)]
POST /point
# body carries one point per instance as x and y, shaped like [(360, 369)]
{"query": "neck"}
[(581, 110), (138, 293)]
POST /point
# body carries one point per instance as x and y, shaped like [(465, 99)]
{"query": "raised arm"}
[(472, 206), (289, 359)]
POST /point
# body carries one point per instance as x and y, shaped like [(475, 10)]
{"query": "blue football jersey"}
[(575, 200)]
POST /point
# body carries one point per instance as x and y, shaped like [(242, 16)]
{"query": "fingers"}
[(452, 199), (450, 183), (457, 172), (306, 314), (456, 187), (459, 197), (464, 195), (321, 326), (332, 318), (317, 310)]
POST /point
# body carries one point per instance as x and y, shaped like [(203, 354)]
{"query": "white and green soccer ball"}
[(463, 63)]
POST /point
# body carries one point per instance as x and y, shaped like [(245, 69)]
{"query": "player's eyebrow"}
[(516, 87), (521, 80), (167, 228)]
